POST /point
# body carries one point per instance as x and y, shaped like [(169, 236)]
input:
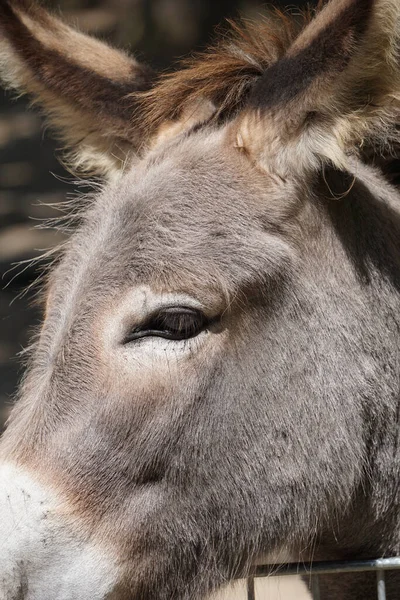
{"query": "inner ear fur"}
[(336, 91), (86, 88)]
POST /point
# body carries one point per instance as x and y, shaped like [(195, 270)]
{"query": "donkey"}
[(217, 375)]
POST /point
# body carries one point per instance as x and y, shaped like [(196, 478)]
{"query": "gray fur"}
[(288, 435), (282, 429)]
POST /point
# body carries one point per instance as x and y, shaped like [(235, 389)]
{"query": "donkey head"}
[(216, 373)]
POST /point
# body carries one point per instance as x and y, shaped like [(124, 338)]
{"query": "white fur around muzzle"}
[(41, 556)]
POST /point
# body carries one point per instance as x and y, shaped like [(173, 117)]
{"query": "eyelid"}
[(169, 309), (145, 328)]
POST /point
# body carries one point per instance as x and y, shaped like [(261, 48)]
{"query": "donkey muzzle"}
[(43, 555)]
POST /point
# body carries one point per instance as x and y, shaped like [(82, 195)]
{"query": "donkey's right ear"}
[(85, 87), (336, 91)]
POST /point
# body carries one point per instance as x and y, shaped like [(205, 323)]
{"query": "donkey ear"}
[(337, 88), (84, 86)]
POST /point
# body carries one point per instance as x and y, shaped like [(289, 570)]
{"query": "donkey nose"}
[(42, 555)]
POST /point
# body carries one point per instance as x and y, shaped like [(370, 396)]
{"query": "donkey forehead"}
[(201, 172), (194, 207)]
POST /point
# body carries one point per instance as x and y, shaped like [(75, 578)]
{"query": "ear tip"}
[(350, 12)]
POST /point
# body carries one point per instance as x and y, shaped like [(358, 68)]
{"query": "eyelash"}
[(173, 323)]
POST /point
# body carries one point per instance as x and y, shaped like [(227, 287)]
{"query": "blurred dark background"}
[(158, 32)]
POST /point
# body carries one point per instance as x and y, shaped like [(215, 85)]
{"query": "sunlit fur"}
[(248, 185)]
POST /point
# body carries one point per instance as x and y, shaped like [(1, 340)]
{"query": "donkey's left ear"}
[(336, 89), (84, 86)]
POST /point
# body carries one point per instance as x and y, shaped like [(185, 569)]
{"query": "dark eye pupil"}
[(174, 323)]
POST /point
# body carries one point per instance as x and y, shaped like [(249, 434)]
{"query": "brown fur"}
[(335, 93), (226, 72), (315, 59), (188, 457), (84, 85), (100, 99), (340, 73)]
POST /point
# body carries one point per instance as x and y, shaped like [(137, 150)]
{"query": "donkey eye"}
[(172, 323)]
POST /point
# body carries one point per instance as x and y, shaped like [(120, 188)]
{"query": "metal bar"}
[(381, 584), (325, 568), (315, 588), (251, 593)]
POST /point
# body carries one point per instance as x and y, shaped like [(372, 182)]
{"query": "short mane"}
[(227, 70)]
